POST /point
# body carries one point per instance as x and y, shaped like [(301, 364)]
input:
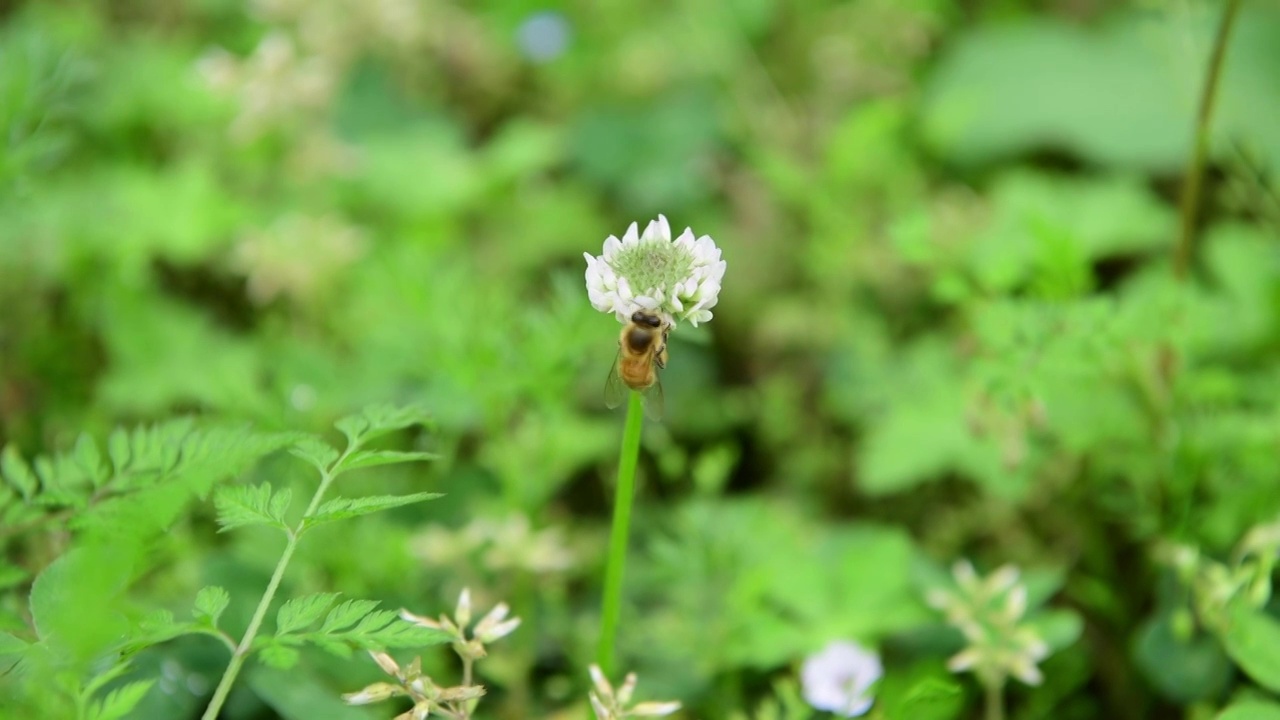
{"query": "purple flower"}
[(837, 679)]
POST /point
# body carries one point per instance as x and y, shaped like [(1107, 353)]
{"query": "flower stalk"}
[(611, 609), (1190, 200)]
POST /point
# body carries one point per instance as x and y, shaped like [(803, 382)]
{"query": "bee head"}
[(640, 317)]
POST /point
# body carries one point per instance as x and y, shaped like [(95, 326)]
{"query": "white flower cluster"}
[(610, 704), (989, 611), (676, 279)]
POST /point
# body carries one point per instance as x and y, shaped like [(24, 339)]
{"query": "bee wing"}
[(615, 391), (654, 401)]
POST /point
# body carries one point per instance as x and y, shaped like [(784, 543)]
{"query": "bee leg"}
[(660, 357)]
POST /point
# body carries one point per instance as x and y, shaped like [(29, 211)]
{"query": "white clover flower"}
[(837, 678), (676, 279)]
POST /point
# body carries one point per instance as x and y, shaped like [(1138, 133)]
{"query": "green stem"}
[(995, 701), (626, 490), (1190, 201), (242, 650)]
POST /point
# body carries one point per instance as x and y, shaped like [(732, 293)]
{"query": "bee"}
[(642, 351)]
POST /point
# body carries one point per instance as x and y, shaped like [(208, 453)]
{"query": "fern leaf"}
[(301, 612), (342, 508), (242, 505), (210, 602), (347, 614), (121, 701), (373, 458), (17, 473), (376, 420), (315, 451)]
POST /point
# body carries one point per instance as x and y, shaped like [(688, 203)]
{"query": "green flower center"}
[(654, 265)]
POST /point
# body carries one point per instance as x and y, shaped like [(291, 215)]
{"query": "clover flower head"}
[(837, 678), (676, 279)]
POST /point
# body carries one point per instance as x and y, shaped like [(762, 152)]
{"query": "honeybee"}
[(642, 351)]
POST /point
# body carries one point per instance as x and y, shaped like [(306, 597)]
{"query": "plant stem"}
[(1190, 200), (242, 650), (995, 701), (625, 492)]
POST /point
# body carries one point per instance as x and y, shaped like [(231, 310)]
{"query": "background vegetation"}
[(951, 327)]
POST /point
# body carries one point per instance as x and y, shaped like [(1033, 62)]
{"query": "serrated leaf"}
[(373, 622), (1250, 710), (121, 701), (18, 473), (331, 646), (118, 449), (405, 635), (156, 621), (242, 505), (1253, 641), (279, 504), (376, 420), (301, 612), (210, 602), (342, 508), (89, 460), (315, 451), (347, 614), (373, 458), (279, 656)]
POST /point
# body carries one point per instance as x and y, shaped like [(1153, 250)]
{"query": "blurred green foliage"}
[(949, 328)]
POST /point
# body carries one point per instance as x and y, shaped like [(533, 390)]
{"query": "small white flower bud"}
[(601, 682), (498, 631), (654, 709), (425, 622), (462, 615), (386, 662), (462, 693), (598, 707), (376, 692), (964, 660), (628, 689)]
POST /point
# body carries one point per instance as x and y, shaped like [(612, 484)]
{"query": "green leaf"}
[(1253, 641), (376, 420), (11, 575), (301, 612), (121, 701), (315, 451), (75, 601), (89, 460), (931, 690), (372, 458), (242, 505), (11, 644), (17, 473), (118, 449), (342, 508), (347, 614), (210, 602), (1185, 670), (279, 656), (1250, 710)]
